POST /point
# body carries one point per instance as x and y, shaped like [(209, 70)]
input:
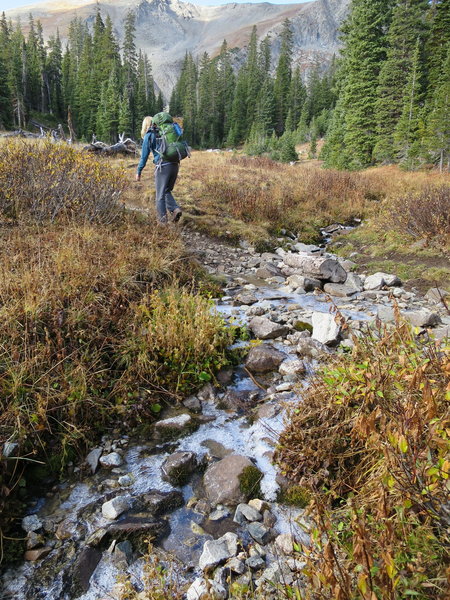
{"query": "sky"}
[(6, 4)]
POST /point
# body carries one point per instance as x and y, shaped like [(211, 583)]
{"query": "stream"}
[(71, 518)]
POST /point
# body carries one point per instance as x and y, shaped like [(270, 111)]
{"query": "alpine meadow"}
[(225, 300)]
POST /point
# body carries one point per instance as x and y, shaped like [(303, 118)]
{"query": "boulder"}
[(115, 507), (309, 284), (245, 298), (422, 318), (111, 460), (177, 467), (285, 543), (386, 314), (158, 502), (436, 295), (265, 329), (325, 328), (31, 523), (175, 426), (292, 367), (319, 267), (379, 280), (218, 551), (264, 358), (310, 348), (268, 270), (221, 480), (93, 457), (85, 565), (352, 285)]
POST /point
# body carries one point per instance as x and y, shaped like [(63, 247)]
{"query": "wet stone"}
[(159, 503), (218, 551), (93, 457), (37, 554), (31, 523), (111, 460), (177, 467), (266, 329), (221, 480), (85, 565), (264, 358), (115, 507), (255, 563)]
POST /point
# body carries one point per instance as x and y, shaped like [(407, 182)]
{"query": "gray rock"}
[(221, 480), (31, 523), (123, 553), (255, 563), (219, 514), (266, 329), (245, 298), (198, 590), (309, 348), (174, 426), (277, 572), (441, 333), (193, 403), (245, 512), (325, 328), (93, 457), (85, 565), (436, 295), (111, 460), (386, 314), (218, 551), (126, 480), (379, 280), (158, 502), (115, 507), (259, 505), (292, 367), (422, 318), (285, 543), (264, 358), (268, 270), (235, 565), (177, 467), (260, 533), (306, 247), (319, 267)]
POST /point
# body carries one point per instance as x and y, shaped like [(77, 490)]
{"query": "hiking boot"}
[(176, 215)]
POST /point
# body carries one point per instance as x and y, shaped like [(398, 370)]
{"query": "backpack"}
[(169, 142)]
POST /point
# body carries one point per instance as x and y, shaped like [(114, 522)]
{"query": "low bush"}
[(370, 439), (425, 214), (46, 181)]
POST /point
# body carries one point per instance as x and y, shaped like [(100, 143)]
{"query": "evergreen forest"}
[(384, 100)]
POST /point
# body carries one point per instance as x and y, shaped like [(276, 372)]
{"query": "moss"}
[(303, 326), (249, 482), (295, 495)]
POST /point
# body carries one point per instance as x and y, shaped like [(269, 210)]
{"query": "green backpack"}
[(169, 142)]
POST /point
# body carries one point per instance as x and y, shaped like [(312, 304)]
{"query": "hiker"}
[(162, 137)]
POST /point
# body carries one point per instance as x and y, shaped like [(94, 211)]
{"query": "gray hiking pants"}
[(165, 178)]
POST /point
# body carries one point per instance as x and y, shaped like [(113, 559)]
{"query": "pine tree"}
[(17, 75), (283, 77), (5, 98), (33, 69), (225, 90), (125, 124), (130, 61), (408, 25), (108, 110), (352, 138), (145, 94), (296, 99)]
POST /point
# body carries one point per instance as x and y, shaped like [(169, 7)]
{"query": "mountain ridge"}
[(167, 29)]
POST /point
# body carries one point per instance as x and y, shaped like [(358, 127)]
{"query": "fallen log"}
[(22, 133), (123, 146)]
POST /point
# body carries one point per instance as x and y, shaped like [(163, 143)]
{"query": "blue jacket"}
[(149, 145)]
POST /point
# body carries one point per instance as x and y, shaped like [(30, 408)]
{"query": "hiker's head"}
[(146, 124)]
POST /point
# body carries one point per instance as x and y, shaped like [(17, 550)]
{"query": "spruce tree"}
[(438, 39), (438, 121), (5, 97), (408, 26), (352, 135), (53, 76), (296, 100), (409, 129), (225, 91), (283, 77)]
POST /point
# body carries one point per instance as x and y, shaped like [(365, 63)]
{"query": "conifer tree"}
[(296, 99), (407, 135), (53, 76), (408, 26), (283, 77), (225, 91), (5, 98), (438, 123), (437, 42), (352, 138), (108, 111)]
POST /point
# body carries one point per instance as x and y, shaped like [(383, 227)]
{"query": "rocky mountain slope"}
[(167, 29)]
